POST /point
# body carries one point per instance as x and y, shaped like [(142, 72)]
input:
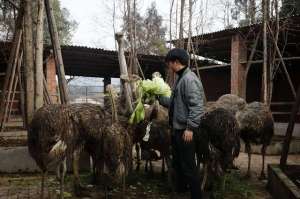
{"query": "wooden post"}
[(289, 131), (39, 48), (106, 82), (238, 70), (123, 71), (29, 66), (57, 53)]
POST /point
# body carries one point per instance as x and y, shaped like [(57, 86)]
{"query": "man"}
[(185, 109)]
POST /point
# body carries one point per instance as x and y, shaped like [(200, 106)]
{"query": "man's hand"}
[(187, 135)]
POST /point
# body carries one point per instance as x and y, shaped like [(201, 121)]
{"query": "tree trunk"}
[(176, 20), (170, 24), (62, 83), (29, 65), (181, 40), (265, 53), (135, 69), (190, 29), (39, 74)]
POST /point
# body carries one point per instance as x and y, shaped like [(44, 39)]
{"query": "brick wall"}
[(51, 78)]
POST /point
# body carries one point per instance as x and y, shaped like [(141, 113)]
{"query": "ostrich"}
[(159, 117), (58, 131), (255, 122), (159, 139), (110, 149), (257, 127), (157, 135), (230, 102), (217, 141)]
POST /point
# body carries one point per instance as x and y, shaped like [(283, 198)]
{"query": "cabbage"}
[(147, 92), (138, 113)]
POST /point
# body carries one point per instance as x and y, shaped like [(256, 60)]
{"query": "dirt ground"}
[(139, 185)]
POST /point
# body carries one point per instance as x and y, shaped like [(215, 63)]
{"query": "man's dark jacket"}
[(186, 104)]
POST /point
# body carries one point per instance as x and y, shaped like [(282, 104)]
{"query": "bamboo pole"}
[(14, 49), (289, 131), (283, 65), (11, 101), (123, 70), (22, 94), (276, 59), (16, 82), (11, 86), (47, 96), (253, 50), (63, 90), (39, 48)]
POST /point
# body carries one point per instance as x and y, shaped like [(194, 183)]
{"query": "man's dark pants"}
[(184, 164)]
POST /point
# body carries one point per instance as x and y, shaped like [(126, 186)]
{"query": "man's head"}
[(177, 59)]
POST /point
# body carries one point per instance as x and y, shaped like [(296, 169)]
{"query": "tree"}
[(245, 11), (65, 25), (155, 32), (150, 32), (7, 20), (290, 8)]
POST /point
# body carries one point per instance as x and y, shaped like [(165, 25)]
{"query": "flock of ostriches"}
[(61, 131)]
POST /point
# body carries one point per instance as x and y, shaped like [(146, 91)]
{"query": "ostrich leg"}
[(205, 167), (44, 174), (124, 184), (75, 165), (138, 157), (163, 166), (170, 173), (61, 171), (263, 153), (248, 150), (151, 167)]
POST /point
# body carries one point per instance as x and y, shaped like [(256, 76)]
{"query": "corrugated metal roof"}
[(234, 30)]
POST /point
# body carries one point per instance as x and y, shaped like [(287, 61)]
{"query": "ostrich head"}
[(156, 74)]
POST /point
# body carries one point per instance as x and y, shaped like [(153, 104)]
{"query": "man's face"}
[(172, 65)]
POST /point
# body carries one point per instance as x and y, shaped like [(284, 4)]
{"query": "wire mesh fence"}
[(88, 94)]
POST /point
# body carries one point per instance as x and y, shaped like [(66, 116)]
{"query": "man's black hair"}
[(178, 54)]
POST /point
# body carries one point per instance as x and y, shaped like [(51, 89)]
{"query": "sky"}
[(94, 18), (95, 21)]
